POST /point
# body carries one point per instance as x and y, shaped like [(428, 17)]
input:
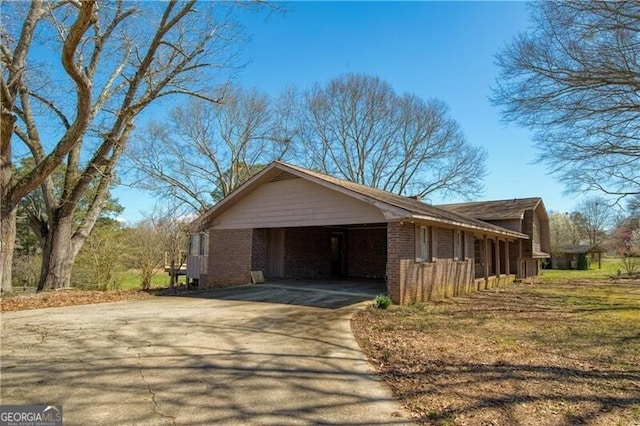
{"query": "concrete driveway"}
[(249, 355)]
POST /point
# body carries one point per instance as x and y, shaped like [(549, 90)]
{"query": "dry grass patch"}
[(552, 354)]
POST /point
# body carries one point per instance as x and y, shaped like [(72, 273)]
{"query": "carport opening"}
[(352, 252)]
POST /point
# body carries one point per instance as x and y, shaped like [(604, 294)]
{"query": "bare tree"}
[(205, 150), (100, 265), (15, 48), (118, 59), (170, 222), (574, 79), (358, 128), (594, 216), (147, 250), (563, 232)]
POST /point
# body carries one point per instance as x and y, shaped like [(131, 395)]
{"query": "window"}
[(198, 244), (204, 244), (422, 243), (458, 245)]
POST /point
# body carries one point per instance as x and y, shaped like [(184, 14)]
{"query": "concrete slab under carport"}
[(348, 287), (243, 355), (325, 294)]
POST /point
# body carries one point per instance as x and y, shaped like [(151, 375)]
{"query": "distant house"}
[(569, 258), (294, 223)]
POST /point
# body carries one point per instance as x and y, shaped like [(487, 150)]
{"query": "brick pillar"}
[(229, 257), (506, 257), (486, 259), (497, 256), (400, 246)]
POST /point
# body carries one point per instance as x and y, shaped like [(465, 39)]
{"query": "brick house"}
[(293, 223), (525, 215)]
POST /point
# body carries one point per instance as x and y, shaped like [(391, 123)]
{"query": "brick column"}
[(400, 246)]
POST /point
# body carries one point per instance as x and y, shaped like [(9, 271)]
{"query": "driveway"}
[(272, 354)]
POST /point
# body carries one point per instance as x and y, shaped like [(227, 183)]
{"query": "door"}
[(337, 240), (275, 253)]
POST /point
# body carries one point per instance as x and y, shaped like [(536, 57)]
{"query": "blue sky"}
[(441, 50)]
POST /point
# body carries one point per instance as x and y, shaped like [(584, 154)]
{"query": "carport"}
[(293, 226), (321, 252)]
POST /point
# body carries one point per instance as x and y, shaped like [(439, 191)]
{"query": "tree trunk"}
[(58, 255), (7, 243)]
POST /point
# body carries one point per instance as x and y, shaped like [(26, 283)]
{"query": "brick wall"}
[(307, 253), (400, 247), (367, 253), (229, 257), (527, 228), (514, 257), (445, 243), (259, 250), (409, 282)]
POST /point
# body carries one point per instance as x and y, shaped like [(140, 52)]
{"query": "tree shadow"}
[(488, 386), (206, 360)]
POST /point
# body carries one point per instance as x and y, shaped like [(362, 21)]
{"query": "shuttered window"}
[(422, 243)]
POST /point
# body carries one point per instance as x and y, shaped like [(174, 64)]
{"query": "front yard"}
[(554, 353)]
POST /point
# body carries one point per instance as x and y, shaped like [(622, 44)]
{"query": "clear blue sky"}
[(439, 50)]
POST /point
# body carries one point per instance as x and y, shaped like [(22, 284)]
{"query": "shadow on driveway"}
[(216, 357)]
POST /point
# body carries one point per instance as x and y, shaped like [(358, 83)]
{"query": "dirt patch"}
[(553, 354)]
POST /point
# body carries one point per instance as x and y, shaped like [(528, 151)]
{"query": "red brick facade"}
[(400, 246), (229, 257), (259, 250), (367, 252), (307, 252)]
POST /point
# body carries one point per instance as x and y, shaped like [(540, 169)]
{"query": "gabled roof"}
[(495, 210), (394, 207), (583, 249)]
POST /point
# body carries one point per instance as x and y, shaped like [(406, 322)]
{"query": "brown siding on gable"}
[(230, 256), (535, 234), (527, 228), (296, 203)]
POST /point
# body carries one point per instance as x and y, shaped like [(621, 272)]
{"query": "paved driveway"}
[(249, 355)]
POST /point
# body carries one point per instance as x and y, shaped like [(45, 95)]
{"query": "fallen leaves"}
[(57, 298)]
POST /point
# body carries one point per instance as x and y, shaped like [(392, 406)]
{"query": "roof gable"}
[(583, 249), (394, 207), (495, 210)]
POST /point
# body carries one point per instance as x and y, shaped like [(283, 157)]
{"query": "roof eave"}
[(486, 230)]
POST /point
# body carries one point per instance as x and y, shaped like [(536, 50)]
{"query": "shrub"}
[(630, 265), (382, 301)]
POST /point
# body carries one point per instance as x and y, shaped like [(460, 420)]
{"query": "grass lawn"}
[(131, 280), (610, 267), (554, 353)]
